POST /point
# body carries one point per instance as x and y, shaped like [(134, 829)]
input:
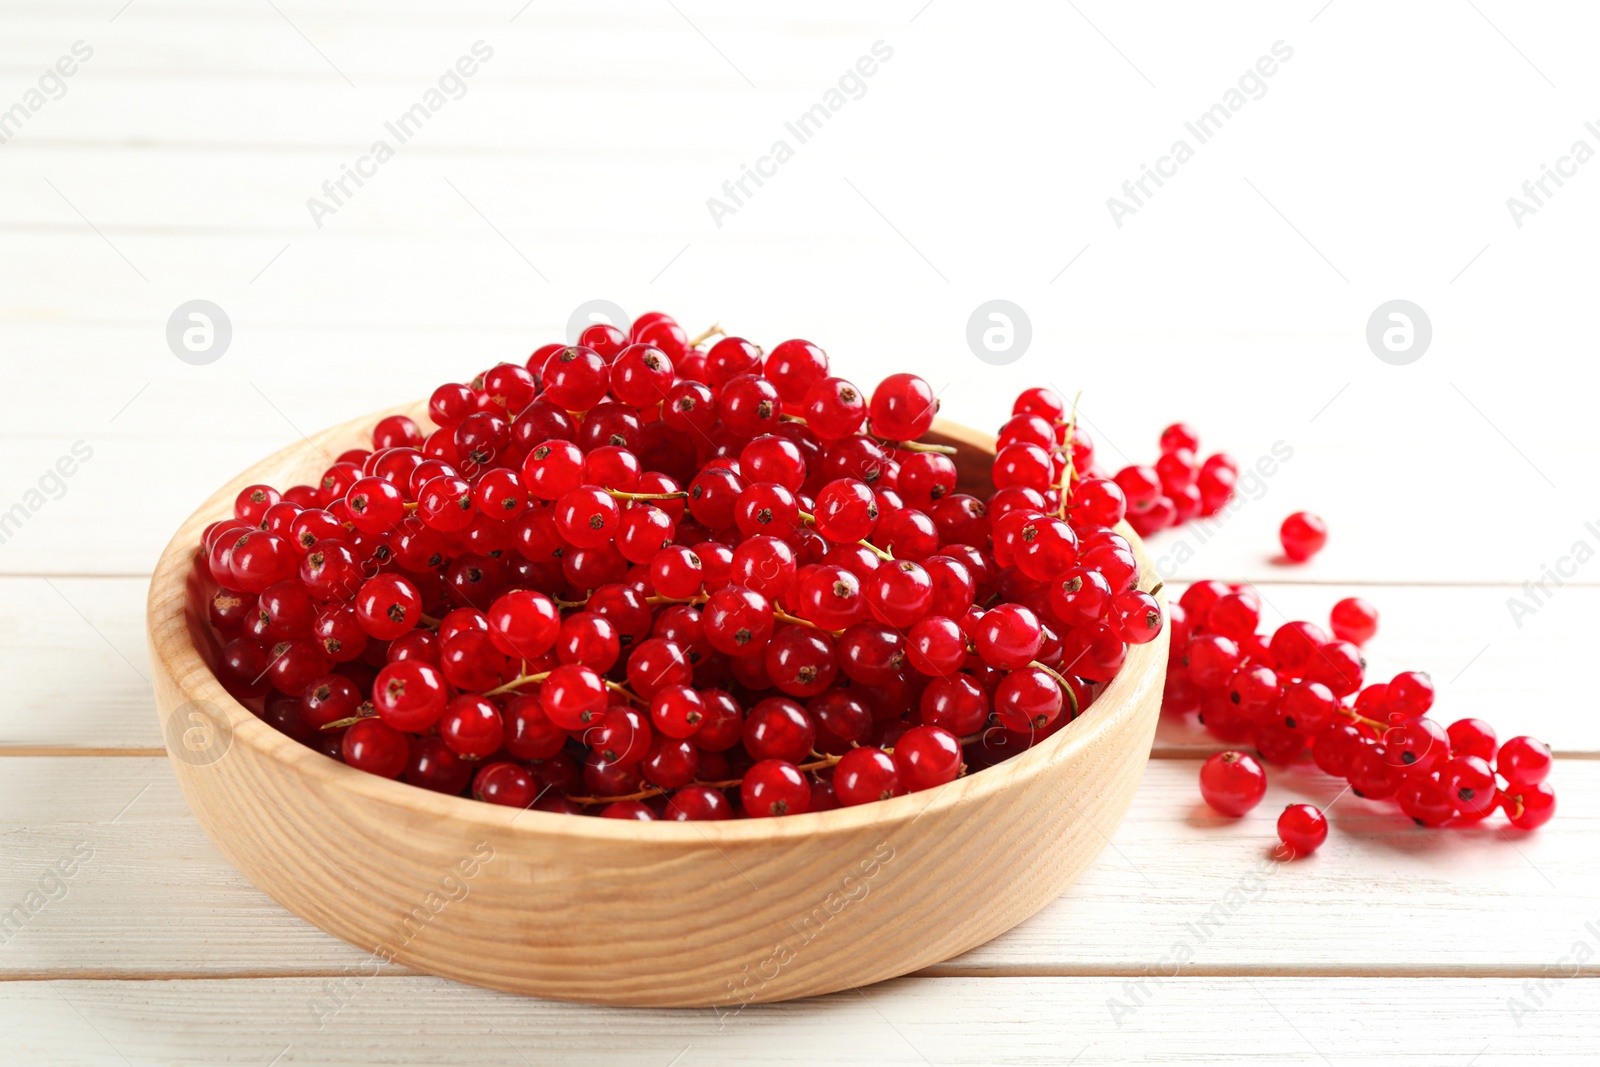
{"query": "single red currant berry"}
[(523, 624), (774, 787), (1337, 665), (1135, 617), (794, 367), (1473, 737), (1529, 806), (1302, 829), (575, 378), (573, 696), (1354, 620), (698, 803), (1009, 636), (927, 756), (1426, 799), (1420, 745), (833, 408), (1302, 536), (641, 375), (957, 704), (1232, 782), (409, 695), (376, 748), (846, 510), (471, 726), (587, 516), (387, 606), (1524, 761), (1179, 437), (899, 593), (738, 621), (1471, 784), (1027, 700), (605, 339), (865, 775), (936, 646), (505, 783), (1409, 696), (433, 766), (903, 408)]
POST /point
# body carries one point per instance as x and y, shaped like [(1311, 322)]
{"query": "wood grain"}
[(1034, 1021), (731, 912)]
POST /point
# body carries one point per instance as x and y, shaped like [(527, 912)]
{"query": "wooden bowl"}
[(669, 914)]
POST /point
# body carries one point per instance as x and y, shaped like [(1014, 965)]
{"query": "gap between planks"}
[(396, 971)]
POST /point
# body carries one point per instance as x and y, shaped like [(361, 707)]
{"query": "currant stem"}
[(339, 724), (654, 600), (887, 557), (784, 616), (1354, 716), (628, 694), (516, 683), (1066, 687), (923, 446), (714, 330), (618, 494), (1069, 471)]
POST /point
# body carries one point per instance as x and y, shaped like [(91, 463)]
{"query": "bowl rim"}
[(174, 654)]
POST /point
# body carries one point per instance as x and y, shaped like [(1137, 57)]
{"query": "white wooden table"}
[(176, 163)]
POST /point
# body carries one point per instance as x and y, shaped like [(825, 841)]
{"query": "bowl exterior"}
[(604, 911)]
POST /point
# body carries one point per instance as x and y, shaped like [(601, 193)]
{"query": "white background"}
[(977, 165)]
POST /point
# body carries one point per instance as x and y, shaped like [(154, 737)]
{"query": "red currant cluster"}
[(1178, 487), (1301, 689), (648, 579)]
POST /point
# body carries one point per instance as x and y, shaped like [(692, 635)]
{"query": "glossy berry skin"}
[(1409, 695), (1009, 636), (1232, 783), (374, 747), (1529, 806), (471, 727), (1524, 761), (1426, 799), (1302, 829), (575, 378), (1302, 536), (903, 408), (957, 704), (846, 510), (1354, 620), (1027, 700), (927, 756), (899, 593), (779, 728), (774, 787), (936, 646), (865, 775), (1470, 782), (1473, 737), (1135, 617), (573, 697), (410, 695), (506, 784)]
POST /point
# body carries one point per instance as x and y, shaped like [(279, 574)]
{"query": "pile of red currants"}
[(1301, 689), (644, 577)]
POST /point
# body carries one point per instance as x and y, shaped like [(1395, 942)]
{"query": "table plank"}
[(915, 1021), (158, 890)]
